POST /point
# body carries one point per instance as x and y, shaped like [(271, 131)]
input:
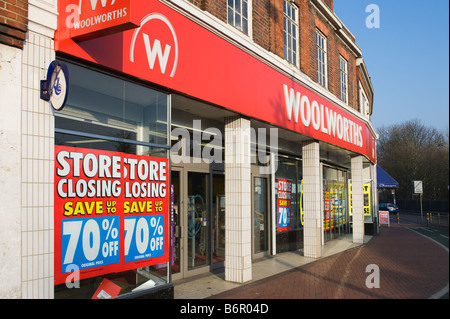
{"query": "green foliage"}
[(411, 151)]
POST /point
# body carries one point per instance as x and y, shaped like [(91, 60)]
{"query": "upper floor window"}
[(343, 79), (363, 102), (290, 19), (321, 44), (238, 14)]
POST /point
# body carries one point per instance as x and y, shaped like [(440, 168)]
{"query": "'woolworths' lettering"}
[(321, 117)]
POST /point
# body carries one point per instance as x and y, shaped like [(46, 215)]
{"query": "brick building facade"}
[(13, 22)]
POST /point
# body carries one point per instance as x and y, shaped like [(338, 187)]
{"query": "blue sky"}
[(407, 58)]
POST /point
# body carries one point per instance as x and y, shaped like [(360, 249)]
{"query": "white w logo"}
[(155, 51), (94, 4), (151, 54)]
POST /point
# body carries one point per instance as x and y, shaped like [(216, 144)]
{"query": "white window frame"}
[(363, 102), (343, 78), (290, 32), (321, 49), (238, 11)]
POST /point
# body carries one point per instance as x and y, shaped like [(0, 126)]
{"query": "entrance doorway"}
[(260, 215), (335, 210), (261, 223), (199, 221)]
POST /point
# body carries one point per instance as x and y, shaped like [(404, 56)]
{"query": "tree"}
[(411, 151)]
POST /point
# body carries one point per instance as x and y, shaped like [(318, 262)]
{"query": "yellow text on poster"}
[(366, 193)]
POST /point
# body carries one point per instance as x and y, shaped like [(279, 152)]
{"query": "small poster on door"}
[(284, 199)]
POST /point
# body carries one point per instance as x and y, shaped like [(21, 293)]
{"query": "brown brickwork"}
[(13, 22), (263, 20), (217, 8)]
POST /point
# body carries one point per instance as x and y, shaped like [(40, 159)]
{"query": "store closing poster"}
[(111, 212), (284, 199)]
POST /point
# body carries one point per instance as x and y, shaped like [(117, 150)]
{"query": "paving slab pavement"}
[(207, 285), (410, 266)]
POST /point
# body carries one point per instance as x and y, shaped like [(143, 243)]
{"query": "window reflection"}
[(100, 104), (107, 113)]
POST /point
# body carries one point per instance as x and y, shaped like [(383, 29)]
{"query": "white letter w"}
[(94, 3), (151, 54), (292, 100)]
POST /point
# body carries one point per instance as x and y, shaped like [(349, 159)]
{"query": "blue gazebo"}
[(384, 180)]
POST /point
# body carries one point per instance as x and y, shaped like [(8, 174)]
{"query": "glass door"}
[(198, 241), (260, 215), (327, 215), (334, 203), (197, 219), (218, 219), (176, 222)]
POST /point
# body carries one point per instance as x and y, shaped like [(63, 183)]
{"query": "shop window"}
[(101, 105), (367, 203), (288, 178), (108, 117)]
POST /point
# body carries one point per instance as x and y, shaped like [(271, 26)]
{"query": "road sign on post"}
[(417, 188)]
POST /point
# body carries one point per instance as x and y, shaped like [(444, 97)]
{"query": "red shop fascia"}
[(153, 42)]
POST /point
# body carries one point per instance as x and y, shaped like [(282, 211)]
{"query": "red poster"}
[(327, 208), (284, 200), (111, 212), (384, 217)]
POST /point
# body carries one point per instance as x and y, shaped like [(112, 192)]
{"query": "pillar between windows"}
[(238, 222), (357, 199), (312, 197)]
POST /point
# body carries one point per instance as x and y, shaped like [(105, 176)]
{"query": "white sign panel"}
[(417, 187)]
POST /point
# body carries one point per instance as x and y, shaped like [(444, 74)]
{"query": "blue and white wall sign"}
[(56, 88)]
